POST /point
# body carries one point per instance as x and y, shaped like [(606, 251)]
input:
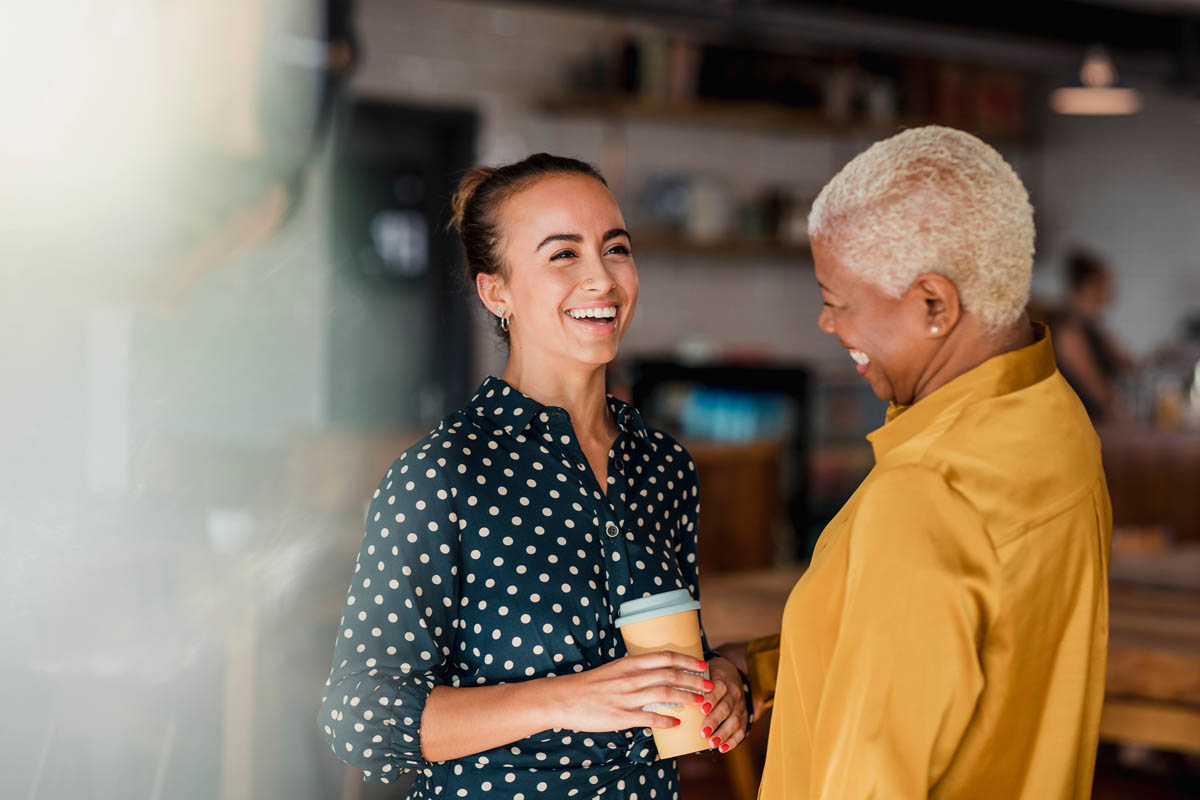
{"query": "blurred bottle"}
[(1169, 403)]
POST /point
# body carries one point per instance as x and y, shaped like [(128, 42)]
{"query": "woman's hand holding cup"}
[(724, 707), (612, 697)]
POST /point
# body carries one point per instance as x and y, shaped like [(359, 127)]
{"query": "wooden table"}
[(1152, 478), (1152, 693)]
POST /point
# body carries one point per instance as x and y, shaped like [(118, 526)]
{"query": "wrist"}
[(546, 700)]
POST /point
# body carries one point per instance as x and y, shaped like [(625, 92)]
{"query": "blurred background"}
[(230, 302)]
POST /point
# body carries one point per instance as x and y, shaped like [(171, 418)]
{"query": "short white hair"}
[(933, 199)]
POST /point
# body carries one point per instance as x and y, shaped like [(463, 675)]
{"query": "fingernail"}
[(699, 699), (716, 740), (677, 721), (724, 748), (703, 665), (707, 707), (707, 731), (708, 685)]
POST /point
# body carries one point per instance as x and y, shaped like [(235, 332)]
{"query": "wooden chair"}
[(762, 667)]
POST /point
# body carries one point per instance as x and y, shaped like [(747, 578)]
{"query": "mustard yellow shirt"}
[(949, 638)]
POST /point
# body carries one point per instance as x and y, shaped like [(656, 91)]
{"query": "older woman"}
[(477, 645), (948, 639)]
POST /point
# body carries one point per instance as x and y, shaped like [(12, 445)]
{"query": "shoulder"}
[(668, 447), (428, 468), (911, 511), (1020, 458), (908, 485), (674, 462), (454, 441)]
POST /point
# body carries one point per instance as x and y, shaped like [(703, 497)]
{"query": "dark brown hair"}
[(480, 194), (1083, 267)]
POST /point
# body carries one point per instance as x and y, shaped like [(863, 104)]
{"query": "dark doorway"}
[(400, 337)]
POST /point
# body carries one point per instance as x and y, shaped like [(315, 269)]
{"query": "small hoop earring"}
[(504, 323)]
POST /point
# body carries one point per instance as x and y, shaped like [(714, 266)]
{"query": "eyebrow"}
[(612, 233)]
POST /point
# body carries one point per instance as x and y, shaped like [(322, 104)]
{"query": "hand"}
[(610, 698), (726, 720)]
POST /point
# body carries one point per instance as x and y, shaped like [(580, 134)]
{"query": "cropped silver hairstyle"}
[(933, 199)]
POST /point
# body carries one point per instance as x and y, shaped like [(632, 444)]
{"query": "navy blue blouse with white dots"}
[(491, 555)]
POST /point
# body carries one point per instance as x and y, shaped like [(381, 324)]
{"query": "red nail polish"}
[(699, 698), (707, 731), (707, 707), (724, 748), (708, 685), (677, 721), (703, 665), (716, 740)]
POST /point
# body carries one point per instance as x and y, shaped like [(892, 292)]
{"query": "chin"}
[(598, 359), (595, 356), (884, 393)]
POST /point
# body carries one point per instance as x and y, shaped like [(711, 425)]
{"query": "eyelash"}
[(623, 250)]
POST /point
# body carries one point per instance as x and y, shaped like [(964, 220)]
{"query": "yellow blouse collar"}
[(999, 375)]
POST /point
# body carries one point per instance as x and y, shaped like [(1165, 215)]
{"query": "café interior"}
[(233, 301)]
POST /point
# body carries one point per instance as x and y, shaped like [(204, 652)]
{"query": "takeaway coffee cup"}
[(667, 621)]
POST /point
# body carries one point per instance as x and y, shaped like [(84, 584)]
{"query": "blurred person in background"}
[(477, 645), (1088, 356), (948, 639)]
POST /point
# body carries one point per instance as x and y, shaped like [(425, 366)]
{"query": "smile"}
[(602, 314), (860, 357)]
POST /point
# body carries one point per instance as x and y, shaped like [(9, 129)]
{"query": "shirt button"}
[(612, 530)]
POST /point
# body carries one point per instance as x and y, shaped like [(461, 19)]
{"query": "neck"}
[(968, 346), (578, 389)]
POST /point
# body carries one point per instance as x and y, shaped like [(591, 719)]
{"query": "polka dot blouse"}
[(491, 556)]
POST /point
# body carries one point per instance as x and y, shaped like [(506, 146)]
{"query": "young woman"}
[(477, 644)]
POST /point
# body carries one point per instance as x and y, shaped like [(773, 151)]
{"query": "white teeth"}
[(860, 357), (593, 313)]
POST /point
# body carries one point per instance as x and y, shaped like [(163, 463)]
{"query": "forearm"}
[(462, 721)]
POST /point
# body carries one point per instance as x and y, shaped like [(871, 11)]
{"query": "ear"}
[(494, 294), (939, 297)]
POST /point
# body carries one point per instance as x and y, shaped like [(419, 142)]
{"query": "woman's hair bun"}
[(477, 201), (465, 191)]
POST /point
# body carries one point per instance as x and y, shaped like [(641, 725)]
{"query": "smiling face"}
[(569, 285), (888, 337)]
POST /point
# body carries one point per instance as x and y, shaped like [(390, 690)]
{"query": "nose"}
[(825, 320), (596, 277)]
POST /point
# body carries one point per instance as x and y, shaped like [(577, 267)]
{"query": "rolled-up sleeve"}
[(905, 674), (398, 623)]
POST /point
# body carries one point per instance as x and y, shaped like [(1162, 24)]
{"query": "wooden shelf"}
[(737, 247), (743, 114)]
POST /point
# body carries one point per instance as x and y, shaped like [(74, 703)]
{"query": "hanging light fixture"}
[(1098, 96)]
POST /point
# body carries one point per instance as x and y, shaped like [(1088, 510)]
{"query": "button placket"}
[(616, 553), (605, 505)]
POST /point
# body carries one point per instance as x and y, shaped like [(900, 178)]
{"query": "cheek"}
[(541, 295), (630, 285)]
